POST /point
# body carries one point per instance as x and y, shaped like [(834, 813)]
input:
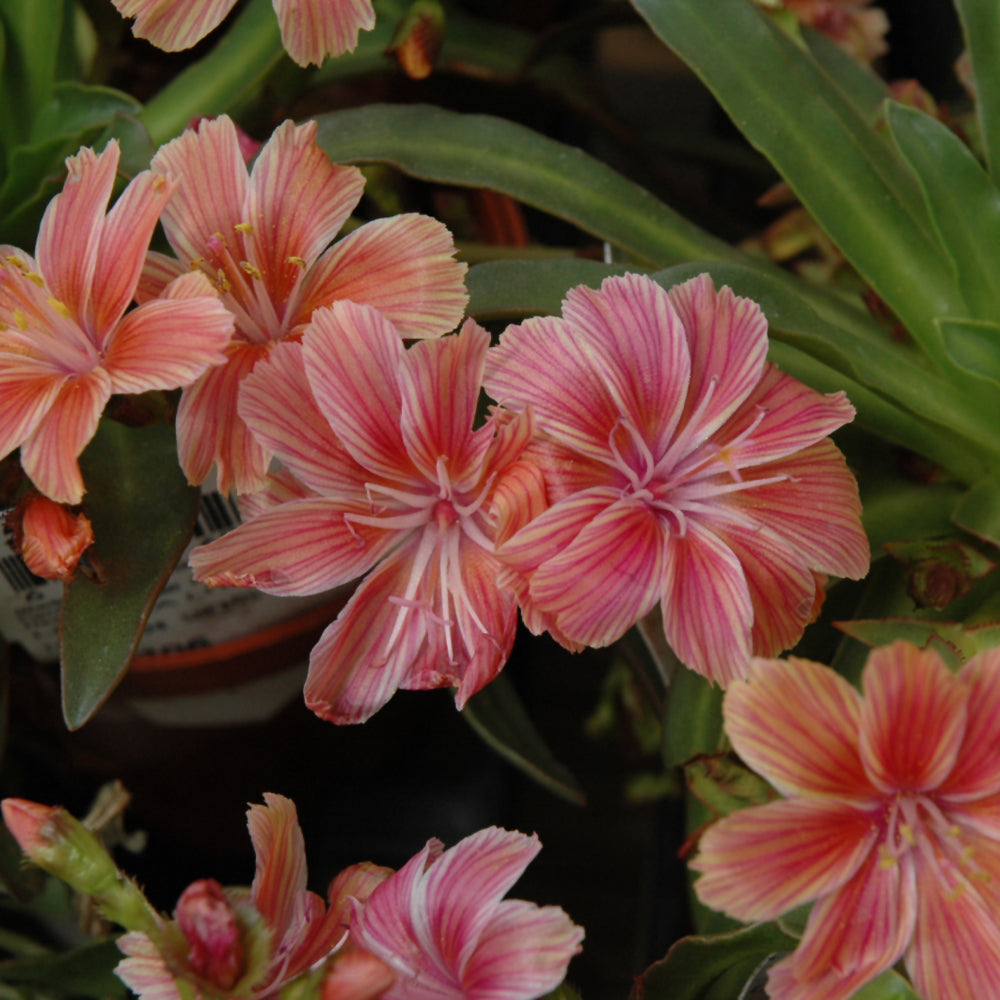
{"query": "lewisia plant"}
[(261, 237), (682, 469), (390, 479), (311, 30), (889, 821)]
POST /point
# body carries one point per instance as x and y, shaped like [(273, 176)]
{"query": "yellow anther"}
[(16, 261), (906, 832), (244, 227), (886, 860), (36, 278), (20, 319), (221, 281), (159, 182), (60, 307), (298, 262), (254, 272)]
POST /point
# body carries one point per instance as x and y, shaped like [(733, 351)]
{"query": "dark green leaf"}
[(974, 346), (693, 722), (482, 151), (981, 26), (510, 289), (142, 511), (978, 512), (962, 201), (711, 968), (889, 986), (858, 83), (851, 181), (499, 718), (86, 971)]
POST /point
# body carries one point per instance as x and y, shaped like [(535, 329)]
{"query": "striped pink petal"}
[(145, 971), (311, 30), (403, 266), (796, 723), (727, 339), (280, 853), (173, 25), (71, 230), (49, 455), (158, 271), (706, 605), (975, 774), (635, 339), (296, 548), (761, 862), (28, 390), (297, 201), (912, 720), (352, 357)]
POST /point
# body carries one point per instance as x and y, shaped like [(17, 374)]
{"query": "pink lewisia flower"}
[(852, 24), (66, 342), (261, 239), (311, 30), (891, 822), (441, 922), (683, 468), (232, 943), (396, 485)]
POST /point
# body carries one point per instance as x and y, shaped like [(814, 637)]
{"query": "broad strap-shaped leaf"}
[(142, 511), (483, 151), (499, 718), (981, 26), (974, 345), (87, 971), (978, 512), (858, 82), (962, 201), (863, 196)]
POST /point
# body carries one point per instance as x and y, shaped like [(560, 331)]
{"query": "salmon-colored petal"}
[(524, 951), (53, 539), (855, 933), (211, 187), (814, 508), (956, 943), (297, 201), (781, 416), (277, 404), (461, 890), (145, 971), (403, 266), (127, 231), (28, 390), (173, 25), (70, 233), (707, 610), (635, 338), (622, 548), (49, 455), (761, 862), (782, 589), (311, 30), (279, 487), (446, 371), (796, 723), (364, 656), (727, 338), (157, 272), (913, 718), (352, 357), (976, 774), (168, 343), (297, 548), (545, 364), (210, 430), (280, 853)]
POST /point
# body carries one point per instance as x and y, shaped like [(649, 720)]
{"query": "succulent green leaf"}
[(142, 511), (482, 151), (981, 26), (87, 971), (978, 512), (961, 199), (499, 718), (693, 721), (862, 194), (858, 83), (974, 346)]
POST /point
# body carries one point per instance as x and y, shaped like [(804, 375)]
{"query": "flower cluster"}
[(439, 927)]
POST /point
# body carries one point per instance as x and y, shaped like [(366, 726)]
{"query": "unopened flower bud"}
[(61, 845), (51, 538), (418, 39), (357, 975), (206, 918)]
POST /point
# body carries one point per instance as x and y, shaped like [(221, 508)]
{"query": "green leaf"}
[(962, 201), (862, 194), (858, 82), (978, 512), (974, 346), (499, 718), (889, 986), (693, 721), (487, 152), (510, 289), (712, 968), (981, 26), (142, 511), (84, 972), (723, 786)]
